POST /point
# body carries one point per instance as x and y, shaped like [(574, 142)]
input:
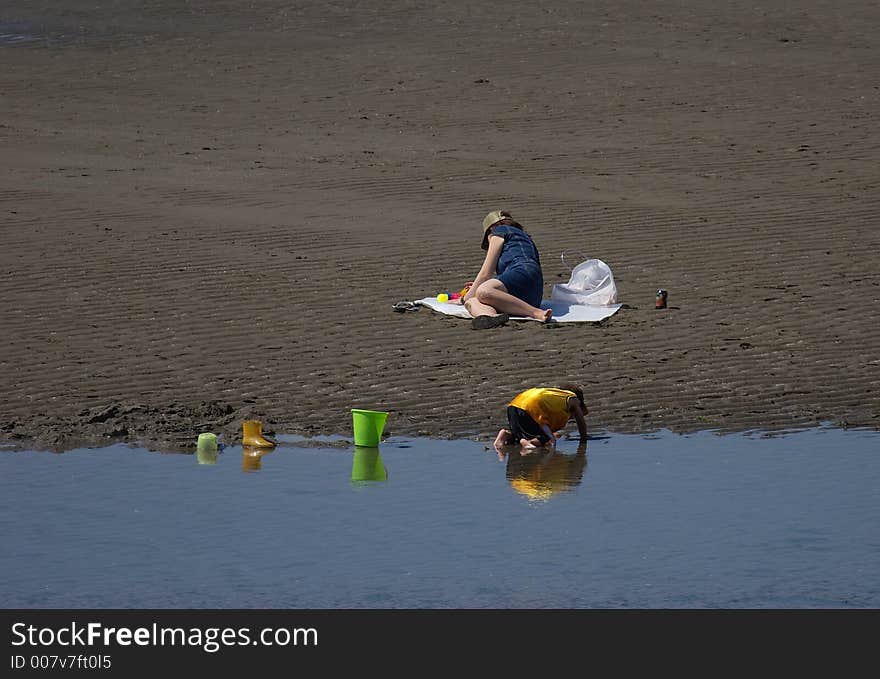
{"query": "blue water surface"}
[(660, 521)]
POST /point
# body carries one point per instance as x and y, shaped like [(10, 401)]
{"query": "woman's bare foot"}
[(543, 315)]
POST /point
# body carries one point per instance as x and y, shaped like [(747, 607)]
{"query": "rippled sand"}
[(208, 210)]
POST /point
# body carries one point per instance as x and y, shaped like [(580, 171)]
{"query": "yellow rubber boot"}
[(252, 435)]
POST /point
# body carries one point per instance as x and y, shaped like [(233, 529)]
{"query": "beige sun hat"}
[(490, 220)]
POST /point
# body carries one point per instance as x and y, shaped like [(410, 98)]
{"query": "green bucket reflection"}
[(367, 465)]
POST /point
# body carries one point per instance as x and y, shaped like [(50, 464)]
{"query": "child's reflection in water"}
[(542, 473)]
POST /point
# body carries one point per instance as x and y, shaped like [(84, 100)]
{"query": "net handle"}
[(570, 253)]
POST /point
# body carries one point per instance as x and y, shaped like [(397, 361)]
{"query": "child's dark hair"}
[(577, 392)]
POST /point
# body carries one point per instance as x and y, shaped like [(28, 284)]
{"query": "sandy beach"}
[(208, 209)]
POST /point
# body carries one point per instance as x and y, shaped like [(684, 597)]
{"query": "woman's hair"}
[(577, 391), (507, 220)]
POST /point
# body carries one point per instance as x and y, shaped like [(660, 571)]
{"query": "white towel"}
[(563, 312)]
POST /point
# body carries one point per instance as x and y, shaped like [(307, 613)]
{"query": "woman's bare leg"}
[(494, 295)]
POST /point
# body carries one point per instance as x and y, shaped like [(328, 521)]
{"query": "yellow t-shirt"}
[(545, 405)]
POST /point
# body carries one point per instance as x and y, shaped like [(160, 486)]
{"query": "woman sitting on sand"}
[(510, 280)]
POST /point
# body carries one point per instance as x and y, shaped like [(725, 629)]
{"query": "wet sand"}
[(208, 210)]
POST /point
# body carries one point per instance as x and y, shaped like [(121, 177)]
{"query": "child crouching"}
[(536, 416)]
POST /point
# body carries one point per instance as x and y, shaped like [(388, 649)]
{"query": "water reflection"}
[(367, 465), (206, 455), (542, 474), (252, 457)]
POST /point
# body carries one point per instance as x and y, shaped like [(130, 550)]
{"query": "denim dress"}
[(519, 266)]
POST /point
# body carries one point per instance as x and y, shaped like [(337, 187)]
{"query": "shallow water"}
[(27, 34), (14, 38), (662, 521)]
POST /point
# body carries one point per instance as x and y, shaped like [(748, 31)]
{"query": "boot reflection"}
[(367, 465), (252, 457), (543, 474)]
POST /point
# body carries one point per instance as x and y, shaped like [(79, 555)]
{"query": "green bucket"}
[(368, 426), (206, 448), (367, 465)]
